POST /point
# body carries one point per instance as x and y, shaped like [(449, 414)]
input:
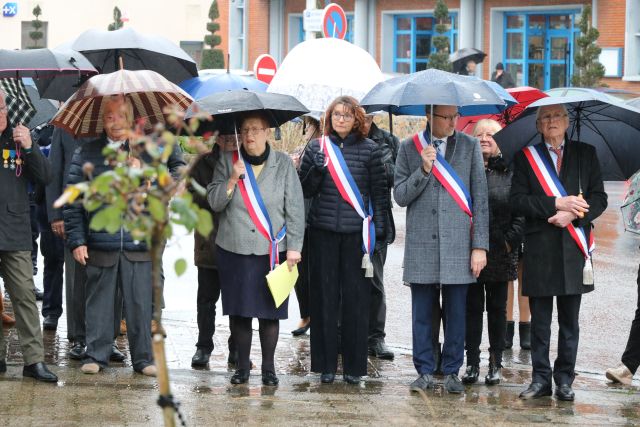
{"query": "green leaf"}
[(109, 219), (205, 223), (180, 266), (156, 208)]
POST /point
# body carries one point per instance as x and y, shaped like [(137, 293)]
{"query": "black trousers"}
[(52, 248), (340, 294), (568, 307), (631, 356), (208, 295), (494, 296), (378, 309), (302, 284)]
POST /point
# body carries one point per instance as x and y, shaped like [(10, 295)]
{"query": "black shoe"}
[(301, 331), (452, 384), (381, 351), (494, 376), (50, 323), (77, 352), (40, 372), (327, 378), (535, 391), (3, 366), (241, 376), (116, 354), (38, 293), (508, 336), (269, 378), (524, 329), (351, 379), (200, 358), (471, 374), (422, 383), (564, 392)]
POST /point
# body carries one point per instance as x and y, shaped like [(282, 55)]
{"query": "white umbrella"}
[(319, 70)]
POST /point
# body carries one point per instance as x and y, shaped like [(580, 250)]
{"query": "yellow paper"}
[(281, 281)]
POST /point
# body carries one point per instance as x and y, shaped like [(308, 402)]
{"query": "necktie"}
[(558, 153)]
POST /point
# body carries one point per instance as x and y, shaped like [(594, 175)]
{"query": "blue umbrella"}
[(203, 86)]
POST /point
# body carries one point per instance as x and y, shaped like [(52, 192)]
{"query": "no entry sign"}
[(265, 68), (334, 22)]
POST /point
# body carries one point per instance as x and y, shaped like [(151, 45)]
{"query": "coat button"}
[(433, 236), (433, 211), (253, 230)]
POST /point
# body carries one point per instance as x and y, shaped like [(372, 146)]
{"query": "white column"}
[(466, 24), (373, 31), (311, 4), (594, 13), (361, 24), (276, 29)]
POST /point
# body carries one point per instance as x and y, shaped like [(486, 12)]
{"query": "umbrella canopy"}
[(614, 129), (523, 95), (20, 108), (42, 64), (45, 108), (317, 71), (202, 86), (228, 108), (149, 92), (408, 94), (462, 56), (631, 205), (138, 52), (635, 102)]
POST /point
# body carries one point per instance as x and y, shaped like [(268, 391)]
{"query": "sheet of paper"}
[(281, 281)]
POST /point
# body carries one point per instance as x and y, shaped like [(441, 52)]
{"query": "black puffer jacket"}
[(388, 145), (329, 211), (504, 227)]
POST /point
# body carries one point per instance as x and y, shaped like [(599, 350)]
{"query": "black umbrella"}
[(42, 64), (138, 52), (462, 56), (45, 108), (614, 129)]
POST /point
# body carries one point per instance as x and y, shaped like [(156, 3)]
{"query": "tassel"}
[(365, 261), (367, 265), (587, 273), (368, 272)]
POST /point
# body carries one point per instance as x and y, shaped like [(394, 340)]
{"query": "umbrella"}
[(613, 129), (524, 96), (635, 102), (20, 108), (317, 71), (202, 86), (138, 52), (42, 64), (45, 108), (631, 205), (462, 56), (149, 92)]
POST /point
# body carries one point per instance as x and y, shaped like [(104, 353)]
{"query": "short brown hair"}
[(353, 106), (254, 115)]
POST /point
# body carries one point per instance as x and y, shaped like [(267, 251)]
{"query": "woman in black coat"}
[(505, 235)]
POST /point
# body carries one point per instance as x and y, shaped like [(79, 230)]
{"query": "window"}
[(412, 42), (194, 49), (27, 42)]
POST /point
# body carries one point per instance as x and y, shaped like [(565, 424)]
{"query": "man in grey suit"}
[(445, 248)]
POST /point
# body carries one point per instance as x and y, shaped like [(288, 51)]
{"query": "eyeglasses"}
[(548, 118), (449, 118), (346, 117), (252, 131)]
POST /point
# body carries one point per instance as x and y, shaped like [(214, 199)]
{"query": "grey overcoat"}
[(439, 236)]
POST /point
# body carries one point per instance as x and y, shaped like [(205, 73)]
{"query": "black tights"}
[(242, 333)]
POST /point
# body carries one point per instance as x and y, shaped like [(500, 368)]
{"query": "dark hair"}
[(499, 66), (351, 105)]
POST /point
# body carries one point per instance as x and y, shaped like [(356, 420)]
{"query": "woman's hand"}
[(293, 257), (22, 136), (238, 170)]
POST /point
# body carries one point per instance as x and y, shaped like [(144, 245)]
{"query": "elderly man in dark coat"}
[(442, 248), (21, 163), (554, 264)]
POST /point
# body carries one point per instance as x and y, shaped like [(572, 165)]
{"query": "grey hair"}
[(566, 112)]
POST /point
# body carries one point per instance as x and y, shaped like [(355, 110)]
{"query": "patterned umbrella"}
[(148, 91), (20, 108), (631, 205)]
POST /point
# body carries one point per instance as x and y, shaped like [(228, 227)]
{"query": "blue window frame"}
[(539, 47), (348, 35), (412, 36)]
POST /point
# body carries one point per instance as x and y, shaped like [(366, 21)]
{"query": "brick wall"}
[(223, 20), (258, 29)]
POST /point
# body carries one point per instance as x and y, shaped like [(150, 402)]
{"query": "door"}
[(548, 50)]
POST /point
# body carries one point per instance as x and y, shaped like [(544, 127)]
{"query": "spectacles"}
[(346, 117), (548, 118), (449, 118), (252, 131)]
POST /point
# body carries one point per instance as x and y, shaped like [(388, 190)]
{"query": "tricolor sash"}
[(446, 175), (349, 191), (250, 193)]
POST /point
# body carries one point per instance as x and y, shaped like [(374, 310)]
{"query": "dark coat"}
[(329, 211), (504, 227), (505, 80), (15, 223), (553, 262), (388, 145)]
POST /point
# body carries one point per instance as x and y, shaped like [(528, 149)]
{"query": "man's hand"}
[(573, 204), (428, 155), (58, 228), (562, 219), (22, 136), (81, 255), (293, 257), (478, 261)]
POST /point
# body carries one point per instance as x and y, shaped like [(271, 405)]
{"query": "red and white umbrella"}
[(149, 92)]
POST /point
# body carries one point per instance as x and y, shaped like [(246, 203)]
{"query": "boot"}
[(495, 371), (525, 335), (471, 374), (6, 319), (508, 337)]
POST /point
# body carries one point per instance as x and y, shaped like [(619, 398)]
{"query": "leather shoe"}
[(40, 372), (535, 391), (116, 354), (351, 379), (200, 358), (471, 374), (241, 376), (269, 378), (327, 378), (422, 383), (565, 393), (494, 376), (3, 366), (301, 331), (77, 352), (381, 351), (50, 323)]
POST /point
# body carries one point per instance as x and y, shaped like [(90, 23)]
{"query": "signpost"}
[(312, 20), (265, 68), (334, 22)]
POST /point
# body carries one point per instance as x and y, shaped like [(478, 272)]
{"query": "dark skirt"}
[(244, 287)]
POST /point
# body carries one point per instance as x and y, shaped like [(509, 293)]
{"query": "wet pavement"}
[(118, 396)]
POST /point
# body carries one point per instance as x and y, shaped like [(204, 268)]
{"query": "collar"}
[(549, 146)]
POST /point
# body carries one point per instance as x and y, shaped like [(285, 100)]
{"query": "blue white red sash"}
[(446, 175), (349, 191), (250, 193), (548, 179)]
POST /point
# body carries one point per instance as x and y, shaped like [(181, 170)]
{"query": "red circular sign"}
[(334, 22), (265, 68)]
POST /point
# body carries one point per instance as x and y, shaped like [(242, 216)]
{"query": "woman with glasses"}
[(258, 197), (342, 171)]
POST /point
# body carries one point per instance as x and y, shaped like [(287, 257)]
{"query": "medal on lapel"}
[(5, 158), (12, 155)]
